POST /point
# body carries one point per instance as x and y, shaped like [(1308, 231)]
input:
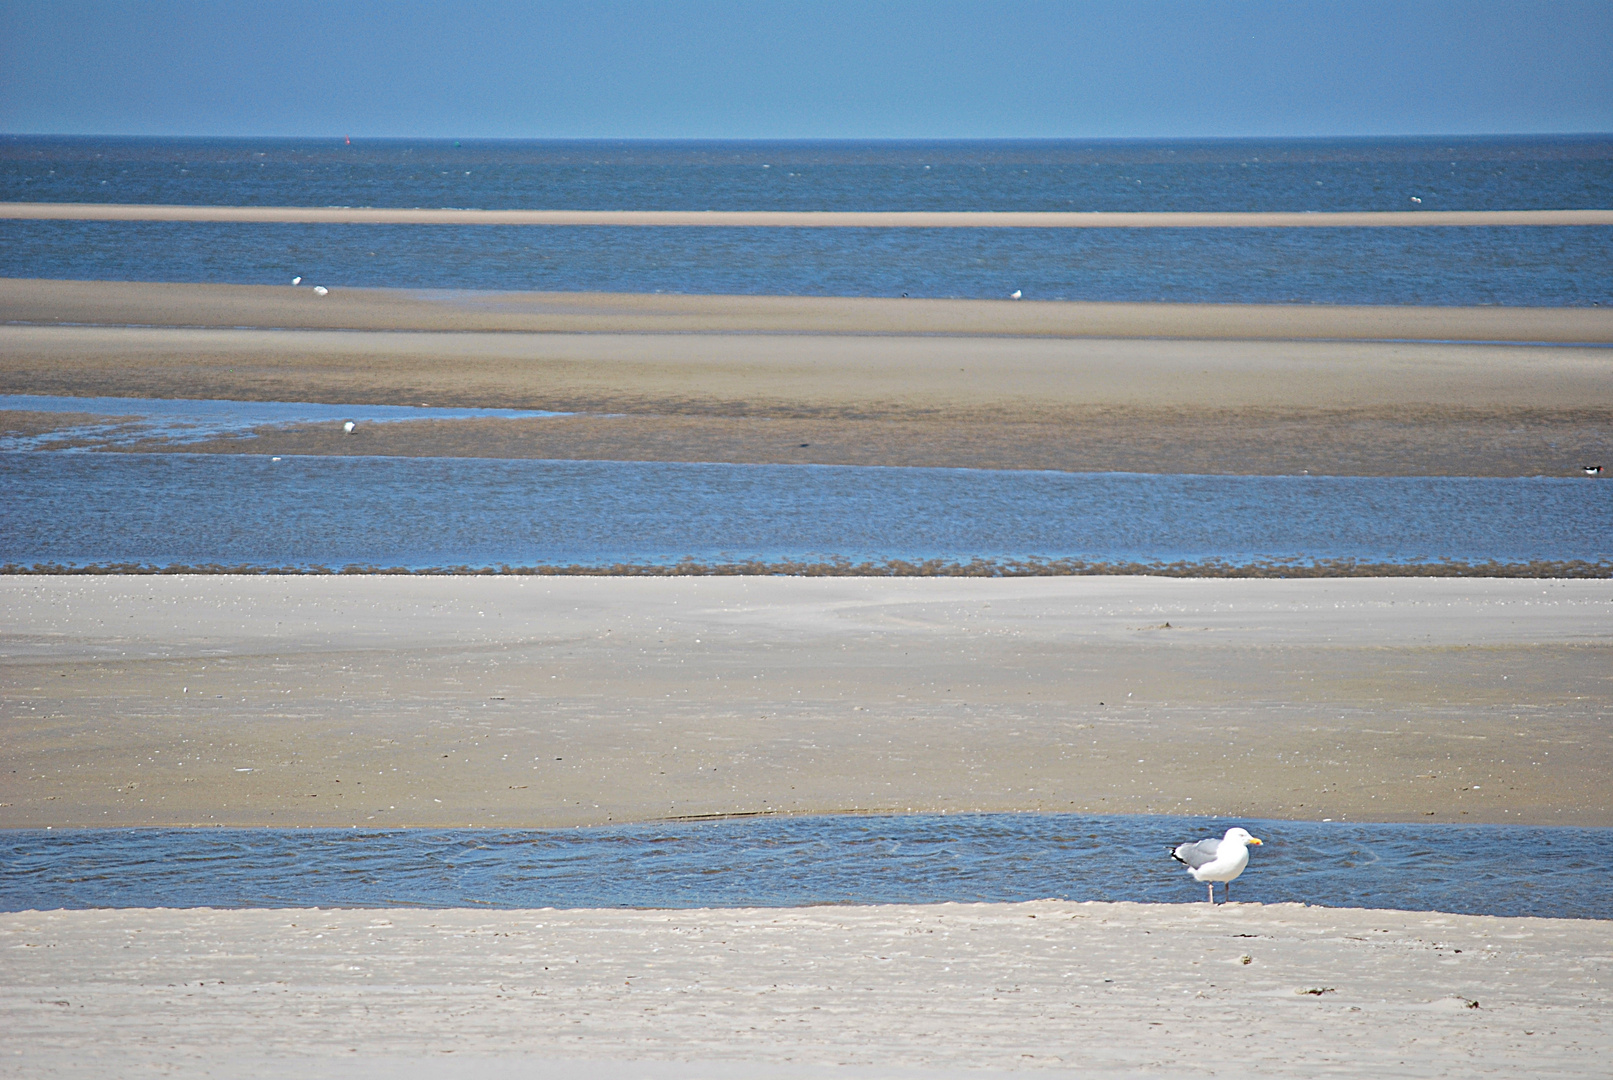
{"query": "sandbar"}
[(983, 384), (137, 303), (546, 702), (808, 219), (946, 991)]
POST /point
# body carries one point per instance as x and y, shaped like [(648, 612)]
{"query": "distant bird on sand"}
[(1015, 295), (320, 290), (348, 427), (1591, 470), (1215, 860), (297, 280)]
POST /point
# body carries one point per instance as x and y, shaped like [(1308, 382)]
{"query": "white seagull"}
[(320, 290), (1015, 295), (1215, 860), (348, 427)]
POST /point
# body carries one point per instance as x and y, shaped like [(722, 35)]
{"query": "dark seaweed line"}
[(889, 568)]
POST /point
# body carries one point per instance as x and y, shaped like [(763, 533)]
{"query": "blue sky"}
[(805, 70)]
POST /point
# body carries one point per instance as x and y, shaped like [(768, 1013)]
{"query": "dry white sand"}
[(804, 219), (1047, 988), (565, 701)]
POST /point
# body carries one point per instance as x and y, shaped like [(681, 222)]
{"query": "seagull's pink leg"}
[(1211, 884)]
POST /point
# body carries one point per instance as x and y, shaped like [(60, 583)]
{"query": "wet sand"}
[(135, 303), (1048, 988), (1108, 440), (553, 702), (1147, 388)]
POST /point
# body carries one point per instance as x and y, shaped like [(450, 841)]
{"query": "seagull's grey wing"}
[(1197, 855)]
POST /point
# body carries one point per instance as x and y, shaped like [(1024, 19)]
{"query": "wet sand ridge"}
[(1151, 388), (806, 219), (552, 702)]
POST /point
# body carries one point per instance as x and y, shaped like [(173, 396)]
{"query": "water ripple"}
[(768, 862), (248, 511)]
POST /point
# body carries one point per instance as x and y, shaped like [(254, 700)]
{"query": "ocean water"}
[(251, 511), (1511, 266), (124, 421), (769, 862), (1487, 173), (1536, 266)]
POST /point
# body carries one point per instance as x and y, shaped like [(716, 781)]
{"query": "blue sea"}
[(1475, 173), (846, 859), (1570, 266), (67, 510), (250, 512)]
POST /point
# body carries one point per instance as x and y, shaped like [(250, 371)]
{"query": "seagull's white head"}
[(1241, 836)]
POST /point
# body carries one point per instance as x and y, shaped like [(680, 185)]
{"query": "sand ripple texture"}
[(1048, 987)]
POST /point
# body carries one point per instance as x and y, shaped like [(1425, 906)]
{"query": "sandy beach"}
[(992, 384), (946, 991), (550, 702), (176, 700), (1081, 548)]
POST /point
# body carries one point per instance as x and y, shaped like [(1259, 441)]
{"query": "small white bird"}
[(348, 427), (297, 280), (1015, 295), (320, 290), (1215, 860)]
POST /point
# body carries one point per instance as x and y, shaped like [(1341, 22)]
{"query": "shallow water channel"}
[(790, 861), (253, 512)]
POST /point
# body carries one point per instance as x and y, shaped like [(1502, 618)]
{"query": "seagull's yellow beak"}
[(1255, 840)]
